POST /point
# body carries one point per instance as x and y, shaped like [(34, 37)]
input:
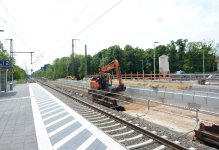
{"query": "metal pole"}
[(0, 81), (11, 51), (73, 61), (154, 62), (203, 63), (154, 59), (142, 65), (5, 81), (73, 57), (26, 71), (11, 57), (0, 74), (31, 57), (85, 65)]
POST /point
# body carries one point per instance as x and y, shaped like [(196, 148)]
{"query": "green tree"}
[(181, 44), (79, 66), (3, 53), (19, 73), (172, 53), (194, 57), (183, 55), (129, 59), (149, 60), (95, 62)]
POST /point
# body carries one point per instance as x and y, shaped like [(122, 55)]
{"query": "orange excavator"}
[(104, 80), (102, 85)]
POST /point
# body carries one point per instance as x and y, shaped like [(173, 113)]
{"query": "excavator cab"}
[(107, 81)]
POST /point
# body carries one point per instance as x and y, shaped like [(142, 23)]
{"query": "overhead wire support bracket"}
[(26, 52)]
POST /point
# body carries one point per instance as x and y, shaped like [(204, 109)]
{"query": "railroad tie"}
[(160, 147), (130, 139), (139, 144), (110, 126), (95, 118), (104, 123), (108, 131), (91, 115), (125, 133), (100, 120)]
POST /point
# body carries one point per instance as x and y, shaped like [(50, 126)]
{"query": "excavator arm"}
[(113, 65)]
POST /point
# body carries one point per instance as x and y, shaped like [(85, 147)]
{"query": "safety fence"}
[(207, 101)]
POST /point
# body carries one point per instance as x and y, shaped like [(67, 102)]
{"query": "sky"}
[(47, 27)]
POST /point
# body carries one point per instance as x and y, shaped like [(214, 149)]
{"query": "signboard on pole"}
[(4, 63)]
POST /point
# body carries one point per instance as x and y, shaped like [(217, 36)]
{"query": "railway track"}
[(123, 128)]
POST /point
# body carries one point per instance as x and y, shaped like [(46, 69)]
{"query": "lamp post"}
[(154, 58)]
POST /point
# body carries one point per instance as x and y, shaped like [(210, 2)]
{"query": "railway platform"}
[(32, 118)]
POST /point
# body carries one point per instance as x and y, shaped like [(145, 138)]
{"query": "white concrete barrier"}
[(209, 101)]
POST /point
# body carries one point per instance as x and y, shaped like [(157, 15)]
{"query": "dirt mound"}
[(168, 85)]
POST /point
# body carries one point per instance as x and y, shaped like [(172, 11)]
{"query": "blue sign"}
[(4, 63)]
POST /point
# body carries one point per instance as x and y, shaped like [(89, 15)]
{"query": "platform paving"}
[(17, 131)]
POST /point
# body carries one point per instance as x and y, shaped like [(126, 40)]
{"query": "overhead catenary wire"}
[(83, 10), (10, 14), (10, 27), (98, 18), (77, 17), (37, 59), (13, 31), (93, 22)]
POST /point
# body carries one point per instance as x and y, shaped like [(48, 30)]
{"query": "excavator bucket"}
[(119, 88)]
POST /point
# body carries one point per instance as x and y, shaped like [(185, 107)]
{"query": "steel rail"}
[(157, 138)]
